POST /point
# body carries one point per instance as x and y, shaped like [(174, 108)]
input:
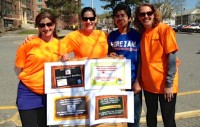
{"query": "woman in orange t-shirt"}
[(86, 42), (159, 70), (29, 66)]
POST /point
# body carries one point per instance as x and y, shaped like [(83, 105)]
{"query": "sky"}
[(189, 4)]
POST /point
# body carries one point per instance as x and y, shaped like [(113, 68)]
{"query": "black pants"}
[(34, 117), (167, 109)]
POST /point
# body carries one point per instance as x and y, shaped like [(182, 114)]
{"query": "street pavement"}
[(187, 108)]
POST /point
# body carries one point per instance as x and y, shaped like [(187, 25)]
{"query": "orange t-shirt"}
[(156, 44), (31, 56), (93, 45)]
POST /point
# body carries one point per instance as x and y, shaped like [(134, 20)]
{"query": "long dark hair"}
[(46, 14), (87, 9), (138, 25)]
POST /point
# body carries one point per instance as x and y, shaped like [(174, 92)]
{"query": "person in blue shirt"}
[(125, 41)]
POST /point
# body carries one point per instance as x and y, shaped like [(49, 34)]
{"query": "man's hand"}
[(113, 55)]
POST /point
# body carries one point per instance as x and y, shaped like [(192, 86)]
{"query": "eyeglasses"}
[(42, 25), (86, 18), (149, 13)]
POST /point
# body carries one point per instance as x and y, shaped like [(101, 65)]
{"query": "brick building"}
[(19, 13), (22, 13)]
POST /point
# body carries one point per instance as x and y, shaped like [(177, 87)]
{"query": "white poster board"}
[(74, 98), (64, 76), (108, 74), (111, 107), (68, 108)]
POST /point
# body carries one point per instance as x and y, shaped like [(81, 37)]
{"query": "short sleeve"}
[(169, 42), (20, 56)]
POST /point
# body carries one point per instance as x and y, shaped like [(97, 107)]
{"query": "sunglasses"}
[(90, 18), (42, 25), (142, 14)]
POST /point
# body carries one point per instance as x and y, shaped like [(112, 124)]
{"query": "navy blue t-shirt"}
[(127, 45)]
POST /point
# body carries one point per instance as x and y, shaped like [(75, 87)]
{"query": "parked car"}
[(186, 28), (194, 28), (174, 27), (179, 27)]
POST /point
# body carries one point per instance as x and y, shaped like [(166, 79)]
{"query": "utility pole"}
[(79, 17), (92, 4), (181, 14), (2, 29), (182, 9)]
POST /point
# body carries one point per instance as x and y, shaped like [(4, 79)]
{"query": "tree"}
[(168, 7), (2, 13), (64, 9), (112, 3)]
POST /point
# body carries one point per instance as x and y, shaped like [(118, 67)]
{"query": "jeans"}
[(167, 109), (137, 110)]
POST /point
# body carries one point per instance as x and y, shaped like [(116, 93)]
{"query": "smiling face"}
[(88, 21), (121, 19), (46, 28), (146, 16)]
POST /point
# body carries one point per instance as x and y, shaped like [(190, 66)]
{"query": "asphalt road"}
[(187, 108)]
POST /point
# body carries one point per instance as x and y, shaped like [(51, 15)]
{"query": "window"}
[(39, 7), (8, 8), (29, 14), (28, 1), (23, 2), (8, 23), (39, 1)]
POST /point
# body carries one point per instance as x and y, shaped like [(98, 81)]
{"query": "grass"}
[(28, 31)]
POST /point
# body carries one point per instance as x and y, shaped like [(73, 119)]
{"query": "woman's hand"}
[(29, 37), (65, 57), (168, 94), (18, 70)]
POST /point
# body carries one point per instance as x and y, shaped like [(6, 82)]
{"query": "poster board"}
[(90, 108), (62, 77), (74, 99), (68, 108), (108, 74), (111, 107)]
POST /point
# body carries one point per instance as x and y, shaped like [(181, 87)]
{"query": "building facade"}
[(19, 13), (15, 13), (22, 13), (188, 17), (38, 5)]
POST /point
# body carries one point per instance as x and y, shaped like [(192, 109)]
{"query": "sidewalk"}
[(61, 33)]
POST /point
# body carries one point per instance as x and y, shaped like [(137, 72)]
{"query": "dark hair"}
[(87, 9), (46, 14), (138, 25), (120, 7)]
